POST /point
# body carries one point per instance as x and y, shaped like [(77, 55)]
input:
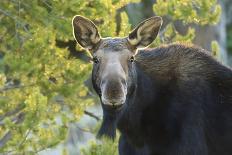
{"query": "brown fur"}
[(173, 99), (182, 61)]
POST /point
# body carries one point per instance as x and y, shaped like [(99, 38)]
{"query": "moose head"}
[(113, 73)]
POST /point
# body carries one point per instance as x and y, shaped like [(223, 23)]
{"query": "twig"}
[(48, 5), (18, 119), (5, 139), (43, 148), (15, 87), (9, 113), (7, 14), (25, 137), (8, 135), (92, 115)]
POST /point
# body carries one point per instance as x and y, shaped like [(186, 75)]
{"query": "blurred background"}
[(47, 103)]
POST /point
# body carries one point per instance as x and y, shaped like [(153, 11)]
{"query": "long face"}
[(113, 72)]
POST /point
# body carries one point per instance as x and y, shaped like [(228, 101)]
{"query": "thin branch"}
[(24, 4), (8, 135), (5, 139), (12, 112), (48, 5), (15, 87), (18, 119), (7, 14), (43, 148), (25, 137), (92, 115)]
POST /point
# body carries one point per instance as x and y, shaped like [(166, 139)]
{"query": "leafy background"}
[(47, 105)]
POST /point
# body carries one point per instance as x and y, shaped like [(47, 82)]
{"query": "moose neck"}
[(108, 126), (143, 95)]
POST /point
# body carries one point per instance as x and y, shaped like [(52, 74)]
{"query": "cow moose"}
[(171, 100)]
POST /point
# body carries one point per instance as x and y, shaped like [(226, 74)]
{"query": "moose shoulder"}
[(171, 100)]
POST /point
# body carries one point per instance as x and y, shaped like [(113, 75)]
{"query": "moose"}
[(174, 99)]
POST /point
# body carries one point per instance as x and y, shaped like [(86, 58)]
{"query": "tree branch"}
[(15, 87), (5, 139), (92, 115), (12, 112), (18, 119)]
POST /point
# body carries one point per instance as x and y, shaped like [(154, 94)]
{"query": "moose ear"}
[(145, 32), (85, 32)]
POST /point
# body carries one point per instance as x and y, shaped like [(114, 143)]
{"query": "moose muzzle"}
[(114, 91)]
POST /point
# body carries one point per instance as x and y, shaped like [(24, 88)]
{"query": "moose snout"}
[(113, 92)]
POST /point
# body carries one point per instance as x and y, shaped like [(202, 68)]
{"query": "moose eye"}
[(132, 59), (95, 60)]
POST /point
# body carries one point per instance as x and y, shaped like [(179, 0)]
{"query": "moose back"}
[(170, 100)]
